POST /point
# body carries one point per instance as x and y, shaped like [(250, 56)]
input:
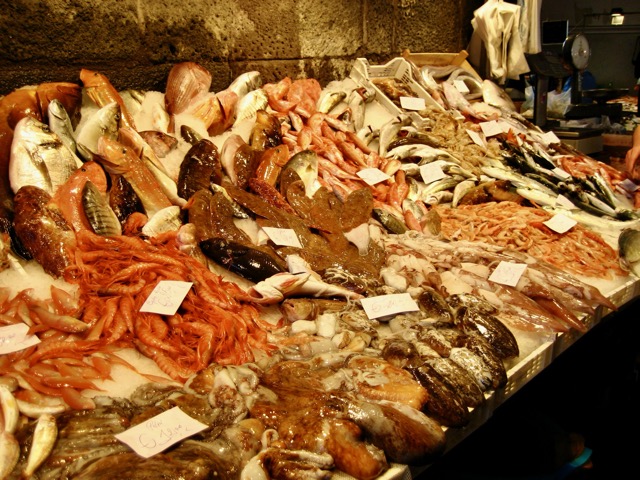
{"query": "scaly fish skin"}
[(44, 437), (39, 157)]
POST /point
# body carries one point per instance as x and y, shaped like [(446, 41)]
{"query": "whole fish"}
[(44, 438), (389, 131), (245, 83), (42, 230), (104, 121), (496, 96), (102, 218), (100, 90), (118, 159), (329, 99), (248, 105), (9, 453), (60, 124), (39, 157)]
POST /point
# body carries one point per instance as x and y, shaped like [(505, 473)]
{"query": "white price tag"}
[(160, 432), (549, 137), (563, 201), (383, 305), (508, 273), (14, 338), (461, 86), (166, 298), (491, 128), (412, 103), (372, 175), (560, 223), (283, 236), (431, 172), (477, 139)]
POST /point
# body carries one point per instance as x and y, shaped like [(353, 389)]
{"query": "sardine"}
[(39, 157), (44, 438), (103, 122), (60, 124), (102, 218)]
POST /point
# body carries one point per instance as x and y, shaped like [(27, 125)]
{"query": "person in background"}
[(632, 159)]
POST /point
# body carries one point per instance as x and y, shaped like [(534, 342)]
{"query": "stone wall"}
[(136, 42)]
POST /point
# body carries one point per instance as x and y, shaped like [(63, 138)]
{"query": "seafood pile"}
[(283, 210)]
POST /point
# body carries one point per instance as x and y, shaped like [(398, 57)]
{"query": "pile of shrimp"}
[(80, 333), (579, 251)]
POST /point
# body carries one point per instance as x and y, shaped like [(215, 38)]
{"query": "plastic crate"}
[(442, 59), (363, 74)]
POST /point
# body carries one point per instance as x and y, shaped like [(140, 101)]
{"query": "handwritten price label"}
[(491, 128), (508, 273), (160, 432), (166, 297), (383, 305), (477, 139), (283, 236), (563, 201), (14, 338)]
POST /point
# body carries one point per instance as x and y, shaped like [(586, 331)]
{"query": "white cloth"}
[(496, 27)]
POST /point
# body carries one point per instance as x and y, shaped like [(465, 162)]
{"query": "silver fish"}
[(496, 96), (629, 250), (103, 122), (165, 220), (461, 190), (9, 453), (389, 131), (329, 99), (60, 124), (249, 104), (10, 411), (446, 183), (357, 105), (44, 437), (305, 164), (245, 83), (39, 157), (101, 217)]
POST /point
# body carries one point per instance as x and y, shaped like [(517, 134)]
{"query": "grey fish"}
[(329, 99), (245, 83), (60, 124), (629, 250), (101, 217), (103, 122), (44, 437), (39, 157), (305, 164), (358, 107), (389, 131), (461, 190), (248, 106)]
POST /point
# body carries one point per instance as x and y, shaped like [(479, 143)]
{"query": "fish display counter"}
[(287, 280)]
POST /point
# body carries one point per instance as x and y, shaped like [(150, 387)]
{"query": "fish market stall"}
[(278, 279)]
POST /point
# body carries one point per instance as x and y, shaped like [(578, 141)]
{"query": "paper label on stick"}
[(160, 432), (166, 298), (283, 236), (412, 103), (383, 305), (431, 172), (14, 338), (628, 185), (508, 273), (560, 223), (549, 137), (372, 175)]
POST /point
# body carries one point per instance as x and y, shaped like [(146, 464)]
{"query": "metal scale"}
[(575, 53)]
